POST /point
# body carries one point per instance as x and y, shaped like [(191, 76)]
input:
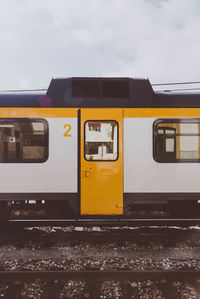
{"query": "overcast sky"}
[(41, 39)]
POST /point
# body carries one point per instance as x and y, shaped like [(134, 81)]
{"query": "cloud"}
[(41, 39)]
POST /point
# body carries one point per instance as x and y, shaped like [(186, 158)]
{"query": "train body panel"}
[(142, 174), (58, 174)]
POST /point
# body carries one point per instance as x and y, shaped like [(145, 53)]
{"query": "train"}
[(96, 150)]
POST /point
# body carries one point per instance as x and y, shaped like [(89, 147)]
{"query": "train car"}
[(93, 150)]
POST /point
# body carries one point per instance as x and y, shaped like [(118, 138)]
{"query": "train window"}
[(23, 140), (101, 140), (177, 140)]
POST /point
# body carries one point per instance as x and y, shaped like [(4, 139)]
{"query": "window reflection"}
[(101, 140), (177, 141), (22, 140)]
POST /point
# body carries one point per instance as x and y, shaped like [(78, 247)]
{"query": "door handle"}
[(87, 173)]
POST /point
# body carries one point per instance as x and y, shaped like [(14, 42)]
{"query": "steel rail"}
[(97, 275), (105, 222)]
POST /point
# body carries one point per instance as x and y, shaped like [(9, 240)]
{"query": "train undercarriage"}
[(41, 212)]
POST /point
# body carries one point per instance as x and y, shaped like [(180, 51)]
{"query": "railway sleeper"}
[(14, 291)]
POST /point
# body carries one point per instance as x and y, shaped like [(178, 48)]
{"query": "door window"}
[(101, 140)]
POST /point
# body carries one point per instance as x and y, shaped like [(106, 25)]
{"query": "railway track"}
[(55, 280), (101, 236), (130, 283)]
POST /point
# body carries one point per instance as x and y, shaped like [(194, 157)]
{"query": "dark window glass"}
[(85, 88), (23, 140), (106, 88), (17, 133), (7, 131), (101, 140), (177, 140), (115, 88)]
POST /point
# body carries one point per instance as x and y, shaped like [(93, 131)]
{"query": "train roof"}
[(100, 92)]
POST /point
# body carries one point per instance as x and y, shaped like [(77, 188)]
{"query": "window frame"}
[(174, 121), (103, 120), (46, 140)]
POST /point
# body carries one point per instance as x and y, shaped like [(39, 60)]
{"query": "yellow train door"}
[(101, 170)]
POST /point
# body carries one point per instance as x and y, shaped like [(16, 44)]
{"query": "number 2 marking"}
[(66, 134)]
